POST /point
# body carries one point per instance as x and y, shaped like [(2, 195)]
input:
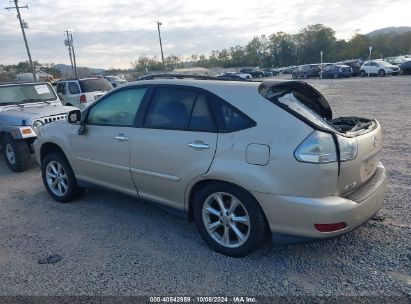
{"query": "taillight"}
[(318, 147), (330, 227), (83, 98)]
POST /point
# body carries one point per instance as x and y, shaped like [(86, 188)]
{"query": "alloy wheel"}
[(226, 219), (57, 179)]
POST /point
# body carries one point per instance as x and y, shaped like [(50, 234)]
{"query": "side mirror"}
[(74, 116)]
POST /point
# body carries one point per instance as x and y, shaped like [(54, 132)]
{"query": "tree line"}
[(282, 49)]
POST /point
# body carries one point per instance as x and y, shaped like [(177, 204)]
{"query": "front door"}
[(102, 154)]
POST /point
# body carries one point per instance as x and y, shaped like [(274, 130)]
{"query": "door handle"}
[(121, 137), (198, 145)]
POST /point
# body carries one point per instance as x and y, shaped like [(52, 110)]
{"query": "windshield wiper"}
[(34, 100)]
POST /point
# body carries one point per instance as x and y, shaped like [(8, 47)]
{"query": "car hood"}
[(316, 101), (28, 113)]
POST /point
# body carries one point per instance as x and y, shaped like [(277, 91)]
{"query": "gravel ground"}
[(111, 244)]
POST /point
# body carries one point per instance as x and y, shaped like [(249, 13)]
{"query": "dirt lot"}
[(111, 244)]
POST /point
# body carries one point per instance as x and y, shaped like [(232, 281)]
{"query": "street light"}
[(369, 62), (321, 55), (161, 45)]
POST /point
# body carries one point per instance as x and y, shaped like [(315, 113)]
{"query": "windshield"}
[(95, 85), (25, 93)]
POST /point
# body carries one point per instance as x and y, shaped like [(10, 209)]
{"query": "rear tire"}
[(59, 178), (362, 73), (16, 154), (235, 228)]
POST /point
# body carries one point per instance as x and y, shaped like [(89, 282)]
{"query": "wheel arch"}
[(204, 182), (48, 148)]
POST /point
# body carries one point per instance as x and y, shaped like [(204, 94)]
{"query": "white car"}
[(378, 67), (243, 75), (115, 80), (81, 93)]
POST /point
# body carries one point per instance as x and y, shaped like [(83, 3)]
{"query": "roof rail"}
[(184, 76)]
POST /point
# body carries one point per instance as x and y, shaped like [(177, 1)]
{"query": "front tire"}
[(229, 219), (59, 178), (16, 154), (381, 73)]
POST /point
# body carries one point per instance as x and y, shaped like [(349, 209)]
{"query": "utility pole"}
[(17, 7), (74, 55), (67, 43), (161, 45)]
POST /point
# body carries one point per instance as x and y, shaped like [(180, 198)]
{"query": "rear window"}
[(25, 93), (95, 85)]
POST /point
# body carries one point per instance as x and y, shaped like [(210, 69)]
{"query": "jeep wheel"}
[(59, 178), (229, 219), (16, 154)]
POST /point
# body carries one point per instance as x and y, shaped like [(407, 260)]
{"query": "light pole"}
[(161, 45), (321, 55), (369, 62)]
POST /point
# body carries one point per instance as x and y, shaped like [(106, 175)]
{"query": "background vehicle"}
[(253, 72), (354, 64), (273, 71), (406, 68), (244, 75), (115, 80), (378, 68), (24, 108), (307, 71), (336, 71), (236, 154), (230, 75), (82, 92), (288, 70)]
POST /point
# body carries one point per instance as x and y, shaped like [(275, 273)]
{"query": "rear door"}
[(102, 154), (175, 143)]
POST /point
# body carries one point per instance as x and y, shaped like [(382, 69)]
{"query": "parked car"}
[(244, 75), (397, 60), (81, 93), (253, 72), (354, 64), (405, 68), (231, 75), (239, 158), (115, 80), (307, 71), (288, 70), (378, 68), (273, 71), (24, 108), (336, 71)]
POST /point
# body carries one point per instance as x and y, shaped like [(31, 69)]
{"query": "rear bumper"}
[(296, 216)]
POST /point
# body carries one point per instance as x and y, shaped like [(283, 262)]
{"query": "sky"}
[(113, 33)]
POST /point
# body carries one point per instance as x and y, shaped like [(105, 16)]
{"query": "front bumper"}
[(296, 216)]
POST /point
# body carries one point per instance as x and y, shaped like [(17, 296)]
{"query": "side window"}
[(201, 119), (118, 109), (73, 88), (61, 88), (374, 64), (170, 108), (229, 118), (366, 64)]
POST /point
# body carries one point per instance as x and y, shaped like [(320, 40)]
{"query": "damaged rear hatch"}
[(356, 141)]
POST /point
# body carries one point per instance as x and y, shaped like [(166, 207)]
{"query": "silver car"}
[(241, 159)]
